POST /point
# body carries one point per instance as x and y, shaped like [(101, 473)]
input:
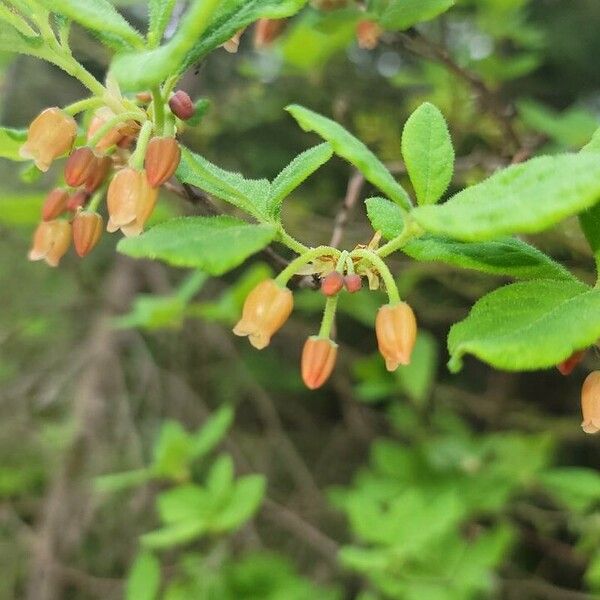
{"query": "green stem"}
[(292, 243), (411, 230), (81, 105), (137, 158), (308, 256), (388, 279), (169, 129), (94, 203), (111, 124), (341, 263), (159, 108), (328, 317)]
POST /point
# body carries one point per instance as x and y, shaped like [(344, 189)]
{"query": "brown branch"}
[(355, 185)]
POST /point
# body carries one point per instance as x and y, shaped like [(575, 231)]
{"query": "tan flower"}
[(396, 329), (318, 361), (51, 241)]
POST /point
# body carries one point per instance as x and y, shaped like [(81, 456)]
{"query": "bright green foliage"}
[(97, 15), (402, 14), (159, 13), (507, 256), (20, 210), (428, 153), (251, 195), (201, 107), (143, 581), (12, 41), (594, 144), (524, 198), (11, 141), (302, 167), (354, 151), (213, 244), (578, 488), (529, 325), (10, 16)]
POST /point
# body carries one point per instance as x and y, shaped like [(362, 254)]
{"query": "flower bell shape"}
[(98, 174), (318, 360), (590, 403), (87, 229), (51, 241), (51, 134), (368, 34), (181, 105), (332, 283), (130, 200), (396, 329), (266, 309), (80, 166), (266, 31), (55, 204), (162, 159), (566, 367)]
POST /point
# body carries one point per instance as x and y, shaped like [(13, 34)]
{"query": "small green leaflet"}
[(525, 198), (159, 13), (506, 256), (353, 150), (402, 14), (143, 581), (302, 167), (213, 244), (528, 325), (251, 195), (428, 153)]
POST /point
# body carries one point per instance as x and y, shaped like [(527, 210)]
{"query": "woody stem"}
[(384, 272), (304, 259)]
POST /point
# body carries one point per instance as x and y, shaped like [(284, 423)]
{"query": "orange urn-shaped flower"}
[(396, 329), (55, 204), (162, 159), (266, 309), (80, 166), (51, 134), (318, 360), (51, 241), (590, 403), (87, 229)]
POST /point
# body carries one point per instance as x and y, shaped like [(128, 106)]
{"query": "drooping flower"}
[(162, 159), (87, 229), (98, 174), (80, 166), (318, 361), (590, 403), (396, 329), (51, 134), (55, 204), (51, 241), (266, 309), (77, 200), (115, 135)]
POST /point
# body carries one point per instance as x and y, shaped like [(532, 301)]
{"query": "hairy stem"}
[(390, 285)]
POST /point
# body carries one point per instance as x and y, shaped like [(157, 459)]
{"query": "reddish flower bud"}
[(318, 360), (115, 135), (396, 329), (144, 97), (77, 200), (162, 159), (130, 201), (331, 284), (51, 134), (181, 105), (98, 174), (566, 367), (87, 229), (51, 241), (353, 283), (266, 31), (266, 309), (55, 204), (368, 34), (590, 403), (79, 166)]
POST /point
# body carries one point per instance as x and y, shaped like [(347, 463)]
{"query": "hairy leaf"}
[(428, 153), (528, 325), (525, 198), (159, 13), (213, 244), (402, 14)]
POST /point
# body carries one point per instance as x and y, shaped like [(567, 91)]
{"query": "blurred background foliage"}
[(146, 452)]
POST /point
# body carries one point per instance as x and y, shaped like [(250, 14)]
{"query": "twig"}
[(355, 185)]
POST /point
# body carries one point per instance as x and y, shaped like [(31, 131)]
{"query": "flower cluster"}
[(270, 303), (128, 153)]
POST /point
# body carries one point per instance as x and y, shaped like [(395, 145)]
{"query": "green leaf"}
[(172, 452), (428, 153), (212, 432), (20, 210), (525, 198), (213, 244), (528, 325), (142, 70), (594, 144), (183, 503), (219, 480), (13, 41), (506, 256), (168, 537), (402, 14), (578, 488), (143, 581), (115, 482), (201, 107), (16, 20), (159, 13), (251, 195), (97, 15), (302, 167), (243, 503), (354, 151)]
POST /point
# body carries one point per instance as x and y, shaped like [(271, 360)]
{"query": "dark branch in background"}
[(355, 185)]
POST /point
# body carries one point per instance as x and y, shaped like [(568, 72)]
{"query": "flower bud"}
[(332, 283), (51, 134), (55, 204), (162, 159), (353, 283), (77, 200), (144, 97), (232, 44), (266, 31), (51, 241), (79, 166), (368, 34), (396, 329), (87, 229), (98, 174), (115, 135), (181, 105), (130, 202), (266, 309), (566, 367), (590, 403), (318, 360)]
